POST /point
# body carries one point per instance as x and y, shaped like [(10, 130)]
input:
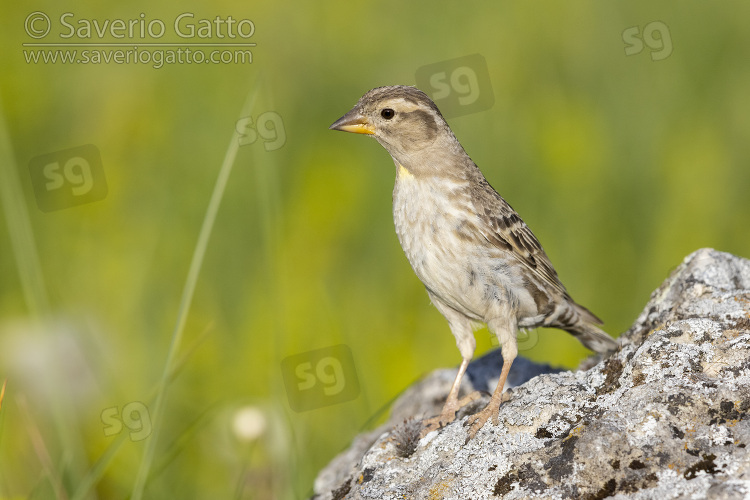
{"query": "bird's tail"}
[(593, 337), (585, 330)]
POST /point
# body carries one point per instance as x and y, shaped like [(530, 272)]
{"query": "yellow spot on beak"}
[(358, 128), (353, 122)]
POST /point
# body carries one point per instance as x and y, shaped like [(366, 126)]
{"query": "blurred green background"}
[(621, 164)]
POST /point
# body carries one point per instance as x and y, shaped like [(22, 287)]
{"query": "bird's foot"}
[(448, 414), (477, 421)]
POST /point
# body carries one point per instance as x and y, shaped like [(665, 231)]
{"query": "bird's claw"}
[(477, 421), (435, 423), (448, 414)]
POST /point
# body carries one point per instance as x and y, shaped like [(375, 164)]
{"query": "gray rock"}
[(666, 416)]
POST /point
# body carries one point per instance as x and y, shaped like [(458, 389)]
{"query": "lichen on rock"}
[(666, 416)]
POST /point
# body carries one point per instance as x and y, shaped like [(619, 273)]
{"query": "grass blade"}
[(185, 301)]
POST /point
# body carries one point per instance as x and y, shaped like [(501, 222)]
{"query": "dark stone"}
[(607, 490), (368, 474), (562, 465), (343, 490), (706, 465)]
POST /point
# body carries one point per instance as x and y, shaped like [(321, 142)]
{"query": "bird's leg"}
[(492, 409), (452, 404), (509, 348), (461, 329)]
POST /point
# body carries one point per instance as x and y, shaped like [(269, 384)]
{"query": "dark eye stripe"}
[(423, 117)]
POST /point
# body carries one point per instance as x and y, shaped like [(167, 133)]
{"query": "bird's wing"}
[(501, 226)]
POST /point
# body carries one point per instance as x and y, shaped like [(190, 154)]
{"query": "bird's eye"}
[(387, 113)]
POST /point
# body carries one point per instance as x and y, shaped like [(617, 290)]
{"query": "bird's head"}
[(402, 119)]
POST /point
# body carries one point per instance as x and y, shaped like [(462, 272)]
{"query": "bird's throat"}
[(403, 173)]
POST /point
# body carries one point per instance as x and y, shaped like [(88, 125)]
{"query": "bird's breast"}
[(436, 226)]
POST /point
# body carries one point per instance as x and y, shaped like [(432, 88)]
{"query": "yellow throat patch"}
[(403, 173)]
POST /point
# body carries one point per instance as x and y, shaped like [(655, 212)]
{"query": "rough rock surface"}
[(666, 416)]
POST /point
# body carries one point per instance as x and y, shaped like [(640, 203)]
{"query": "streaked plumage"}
[(478, 260)]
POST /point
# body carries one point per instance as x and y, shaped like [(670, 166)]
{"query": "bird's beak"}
[(354, 122)]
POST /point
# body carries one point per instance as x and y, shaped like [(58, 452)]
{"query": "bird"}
[(478, 260)]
